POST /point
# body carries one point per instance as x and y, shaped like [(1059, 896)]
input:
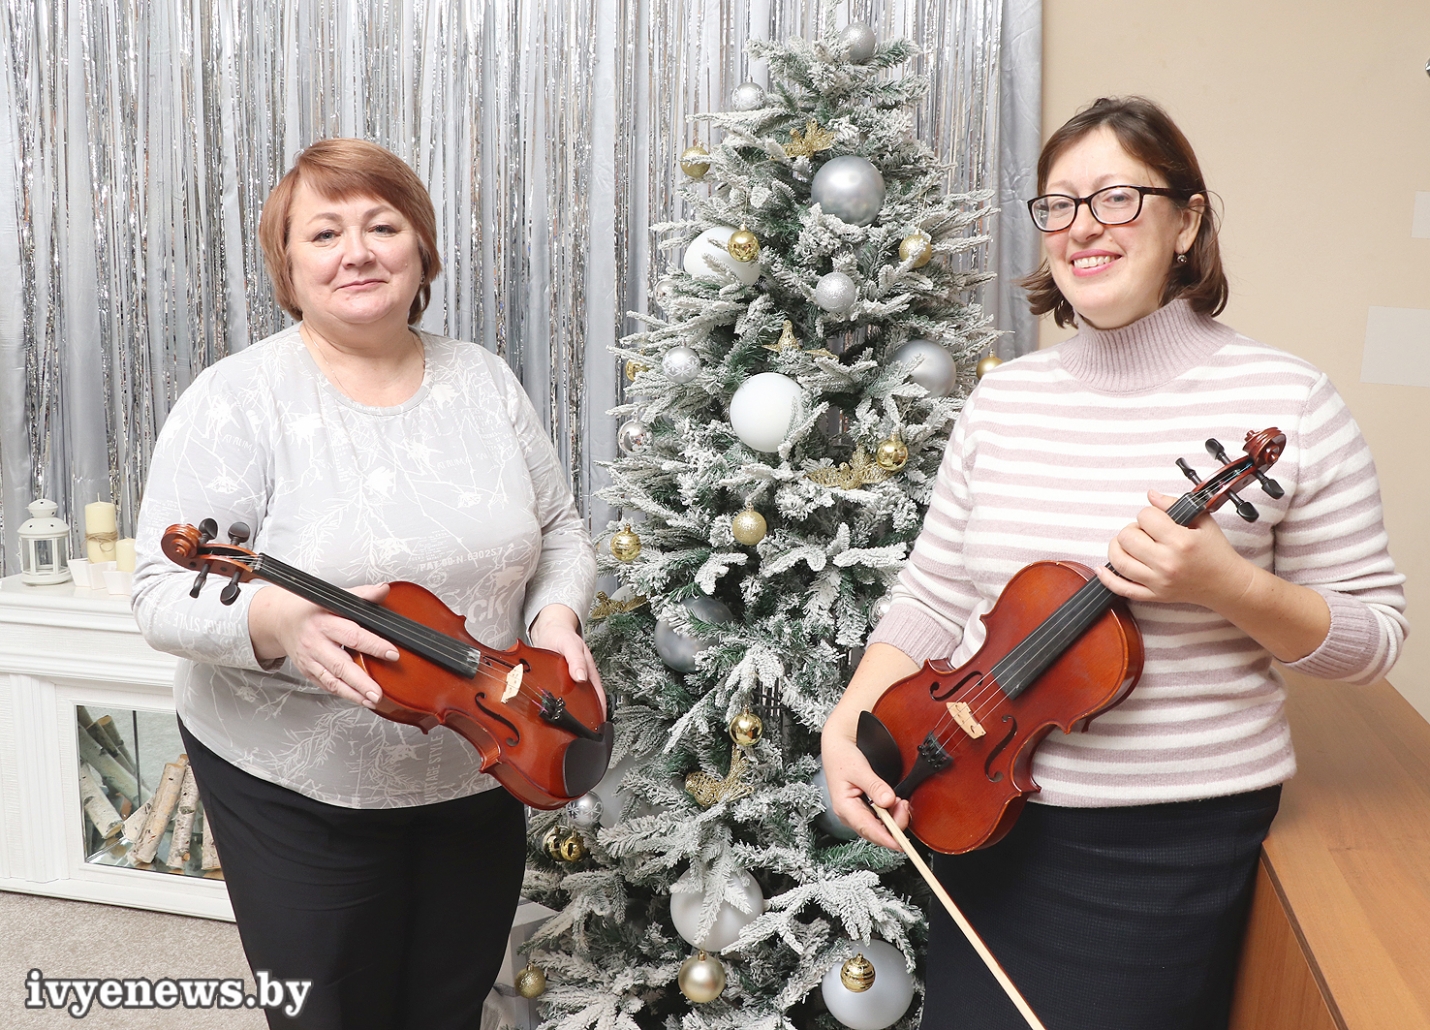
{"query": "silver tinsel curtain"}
[(138, 142)]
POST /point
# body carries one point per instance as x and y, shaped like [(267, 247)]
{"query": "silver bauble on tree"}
[(850, 188), (702, 978), (858, 42), (748, 96), (933, 367), (633, 437), (827, 820), (585, 811), (679, 650), (680, 365), (685, 908), (835, 292), (882, 1001)]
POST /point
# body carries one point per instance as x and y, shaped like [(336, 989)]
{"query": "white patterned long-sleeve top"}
[(458, 489), (1053, 455)]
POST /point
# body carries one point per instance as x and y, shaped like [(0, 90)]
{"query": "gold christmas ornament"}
[(810, 142), (857, 974), (787, 340), (988, 364), (572, 847), (633, 369), (702, 978), (748, 527), (551, 843), (917, 247), (626, 545), (707, 790), (743, 245), (606, 606), (891, 454), (746, 729), (695, 160), (857, 472), (531, 981)]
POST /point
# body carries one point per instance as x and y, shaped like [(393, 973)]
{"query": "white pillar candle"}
[(101, 523), (124, 554)]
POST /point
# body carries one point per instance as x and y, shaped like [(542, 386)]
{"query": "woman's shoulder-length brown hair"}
[(1148, 134), (340, 169)]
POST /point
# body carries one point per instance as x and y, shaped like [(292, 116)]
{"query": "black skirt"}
[(1106, 918)]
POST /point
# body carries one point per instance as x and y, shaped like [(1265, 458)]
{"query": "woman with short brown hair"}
[(367, 857), (1119, 897)]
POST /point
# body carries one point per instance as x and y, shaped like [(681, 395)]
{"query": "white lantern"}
[(44, 546)]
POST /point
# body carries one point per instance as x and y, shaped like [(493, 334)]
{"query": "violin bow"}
[(1009, 988)]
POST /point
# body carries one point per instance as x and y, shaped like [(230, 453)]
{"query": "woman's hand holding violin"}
[(283, 625), (1158, 560), (556, 628)]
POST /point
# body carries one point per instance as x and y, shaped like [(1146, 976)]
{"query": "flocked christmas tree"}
[(785, 423)]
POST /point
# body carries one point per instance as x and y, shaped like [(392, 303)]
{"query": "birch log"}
[(134, 823), (178, 855), (208, 856), (114, 774), (96, 806), (166, 798), (114, 743)]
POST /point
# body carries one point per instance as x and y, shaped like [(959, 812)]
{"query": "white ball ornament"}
[(748, 96), (850, 188), (585, 811), (885, 1000), (933, 367), (680, 365), (680, 650), (763, 409), (827, 820), (712, 247), (729, 920), (858, 42), (835, 292)]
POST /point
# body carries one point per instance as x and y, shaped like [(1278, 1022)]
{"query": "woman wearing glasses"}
[(1119, 898)]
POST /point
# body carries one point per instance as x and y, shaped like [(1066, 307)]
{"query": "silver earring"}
[(1181, 259)]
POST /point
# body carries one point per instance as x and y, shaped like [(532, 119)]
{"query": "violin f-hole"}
[(935, 694), (994, 777)]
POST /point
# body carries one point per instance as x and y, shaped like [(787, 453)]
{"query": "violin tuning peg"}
[(208, 529), (199, 580), (238, 533), (1245, 509), (1273, 489), (1188, 471), (230, 591), (1217, 451)]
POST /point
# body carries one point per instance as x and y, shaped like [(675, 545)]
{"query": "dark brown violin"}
[(542, 735), (1061, 649)]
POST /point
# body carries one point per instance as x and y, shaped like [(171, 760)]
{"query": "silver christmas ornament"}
[(585, 811), (835, 292), (679, 650), (858, 42), (680, 365), (701, 978), (882, 1000), (633, 437), (685, 908), (879, 609), (933, 367), (827, 820), (747, 97), (849, 188)]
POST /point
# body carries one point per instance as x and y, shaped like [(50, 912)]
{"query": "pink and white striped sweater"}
[(1054, 453)]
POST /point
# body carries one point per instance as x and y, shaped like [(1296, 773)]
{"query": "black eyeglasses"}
[(1111, 205)]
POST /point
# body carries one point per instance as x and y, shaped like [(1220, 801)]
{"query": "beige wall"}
[(1312, 123)]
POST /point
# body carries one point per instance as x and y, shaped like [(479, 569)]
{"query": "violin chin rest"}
[(879, 747), (586, 761)]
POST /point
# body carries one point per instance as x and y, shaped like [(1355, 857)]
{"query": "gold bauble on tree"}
[(702, 978), (531, 981), (892, 454), (988, 364), (633, 369), (743, 245), (626, 545), (749, 527), (551, 843), (918, 247), (857, 974), (695, 161), (746, 729), (572, 847)]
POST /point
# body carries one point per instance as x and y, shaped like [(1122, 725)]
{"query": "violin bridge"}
[(513, 682), (963, 715)]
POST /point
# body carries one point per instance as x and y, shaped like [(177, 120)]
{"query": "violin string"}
[(393, 623), (1047, 636)]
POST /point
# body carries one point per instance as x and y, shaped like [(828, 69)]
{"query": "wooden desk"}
[(1339, 937)]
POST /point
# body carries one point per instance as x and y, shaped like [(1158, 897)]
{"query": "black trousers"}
[(400, 917), (1107, 918)]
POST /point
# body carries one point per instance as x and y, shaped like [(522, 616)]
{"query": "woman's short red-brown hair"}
[(340, 169), (1148, 134)]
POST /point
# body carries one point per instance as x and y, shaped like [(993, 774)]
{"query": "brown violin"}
[(544, 736), (1060, 649)]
